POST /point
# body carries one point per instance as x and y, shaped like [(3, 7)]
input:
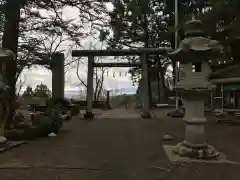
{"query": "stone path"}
[(120, 113), (118, 149)]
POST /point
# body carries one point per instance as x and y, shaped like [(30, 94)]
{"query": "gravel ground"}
[(119, 149)]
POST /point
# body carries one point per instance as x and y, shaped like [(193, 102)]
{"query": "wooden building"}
[(227, 94)]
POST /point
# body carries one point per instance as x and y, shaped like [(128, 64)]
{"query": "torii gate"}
[(142, 52)]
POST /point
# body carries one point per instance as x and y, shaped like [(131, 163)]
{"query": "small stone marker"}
[(3, 139), (52, 135)]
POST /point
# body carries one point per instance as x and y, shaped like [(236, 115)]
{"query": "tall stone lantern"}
[(194, 53), (6, 56)]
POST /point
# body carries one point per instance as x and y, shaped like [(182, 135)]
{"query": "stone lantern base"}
[(195, 151)]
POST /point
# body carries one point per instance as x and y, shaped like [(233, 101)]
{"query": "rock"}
[(207, 152), (52, 134), (167, 137), (3, 139)]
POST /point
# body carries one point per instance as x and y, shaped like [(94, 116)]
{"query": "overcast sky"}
[(114, 77)]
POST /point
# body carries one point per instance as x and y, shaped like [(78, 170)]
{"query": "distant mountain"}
[(131, 90), (76, 94), (71, 94)]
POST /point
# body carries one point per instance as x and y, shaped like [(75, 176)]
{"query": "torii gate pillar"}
[(89, 113)]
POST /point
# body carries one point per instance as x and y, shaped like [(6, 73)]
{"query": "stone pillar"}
[(58, 80), (89, 114), (144, 89), (108, 100), (194, 118), (194, 145)]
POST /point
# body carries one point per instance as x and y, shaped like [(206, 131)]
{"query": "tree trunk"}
[(174, 71), (162, 84), (159, 88), (10, 42), (146, 45), (161, 80), (96, 86), (96, 90), (149, 88), (101, 84), (100, 89)]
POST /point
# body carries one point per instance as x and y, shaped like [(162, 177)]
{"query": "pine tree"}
[(42, 91)]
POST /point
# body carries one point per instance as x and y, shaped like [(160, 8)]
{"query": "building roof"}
[(217, 67), (231, 71)]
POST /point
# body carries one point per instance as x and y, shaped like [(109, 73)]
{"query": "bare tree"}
[(22, 17), (98, 76), (57, 42), (99, 79), (100, 29), (20, 85)]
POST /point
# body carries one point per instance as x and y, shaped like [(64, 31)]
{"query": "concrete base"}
[(173, 157), (146, 115), (88, 115), (9, 145)]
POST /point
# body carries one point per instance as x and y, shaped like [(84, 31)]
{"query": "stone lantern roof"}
[(195, 42), (6, 53), (5, 57)]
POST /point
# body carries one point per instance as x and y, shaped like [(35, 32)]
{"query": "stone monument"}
[(5, 57), (108, 106), (58, 80), (194, 53)]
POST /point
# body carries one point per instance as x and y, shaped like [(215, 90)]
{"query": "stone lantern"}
[(194, 53), (5, 57)]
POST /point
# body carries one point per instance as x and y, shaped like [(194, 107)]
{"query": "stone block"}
[(176, 158)]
